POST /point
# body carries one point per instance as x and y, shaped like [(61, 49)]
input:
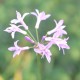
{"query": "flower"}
[(17, 50), (44, 51), (40, 16), (14, 29), (42, 47), (20, 19), (61, 43), (58, 30)]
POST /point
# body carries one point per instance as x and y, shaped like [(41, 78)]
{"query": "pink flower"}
[(14, 29), (20, 19), (61, 43), (40, 16), (53, 37), (44, 51), (17, 50), (58, 30)]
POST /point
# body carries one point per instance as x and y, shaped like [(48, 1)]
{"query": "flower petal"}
[(33, 13), (11, 48), (59, 23), (8, 30), (37, 11), (22, 31), (25, 48), (25, 14), (43, 16), (15, 43), (17, 52), (47, 16), (13, 34), (48, 38), (37, 50), (18, 15), (48, 55), (15, 21)]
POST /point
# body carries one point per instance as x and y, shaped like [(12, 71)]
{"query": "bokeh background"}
[(24, 66)]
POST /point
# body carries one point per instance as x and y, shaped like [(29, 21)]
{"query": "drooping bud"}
[(29, 39)]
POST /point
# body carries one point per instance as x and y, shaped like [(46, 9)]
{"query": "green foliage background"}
[(24, 66)]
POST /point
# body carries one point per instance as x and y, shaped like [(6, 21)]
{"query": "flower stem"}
[(37, 35), (31, 35), (39, 68)]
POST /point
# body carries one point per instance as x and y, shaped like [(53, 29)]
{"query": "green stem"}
[(37, 35), (32, 36), (39, 68)]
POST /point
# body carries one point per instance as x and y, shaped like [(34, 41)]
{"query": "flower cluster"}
[(53, 37)]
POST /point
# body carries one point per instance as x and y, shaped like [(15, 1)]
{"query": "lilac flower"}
[(40, 47), (14, 29), (40, 16), (58, 30), (17, 50), (61, 43), (20, 19), (44, 51)]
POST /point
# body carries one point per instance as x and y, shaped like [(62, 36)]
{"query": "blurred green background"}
[(24, 66)]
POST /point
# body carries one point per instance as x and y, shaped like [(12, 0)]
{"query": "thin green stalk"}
[(29, 36), (37, 35), (38, 68), (32, 36)]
